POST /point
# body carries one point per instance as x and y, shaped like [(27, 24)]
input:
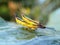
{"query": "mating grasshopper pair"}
[(29, 23)]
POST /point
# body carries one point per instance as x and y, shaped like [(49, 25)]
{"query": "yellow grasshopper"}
[(27, 22)]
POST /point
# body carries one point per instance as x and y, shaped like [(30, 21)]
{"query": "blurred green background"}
[(38, 10)]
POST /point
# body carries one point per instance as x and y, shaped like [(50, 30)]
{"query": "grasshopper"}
[(29, 23)]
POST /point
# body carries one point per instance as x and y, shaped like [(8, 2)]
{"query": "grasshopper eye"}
[(41, 26)]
